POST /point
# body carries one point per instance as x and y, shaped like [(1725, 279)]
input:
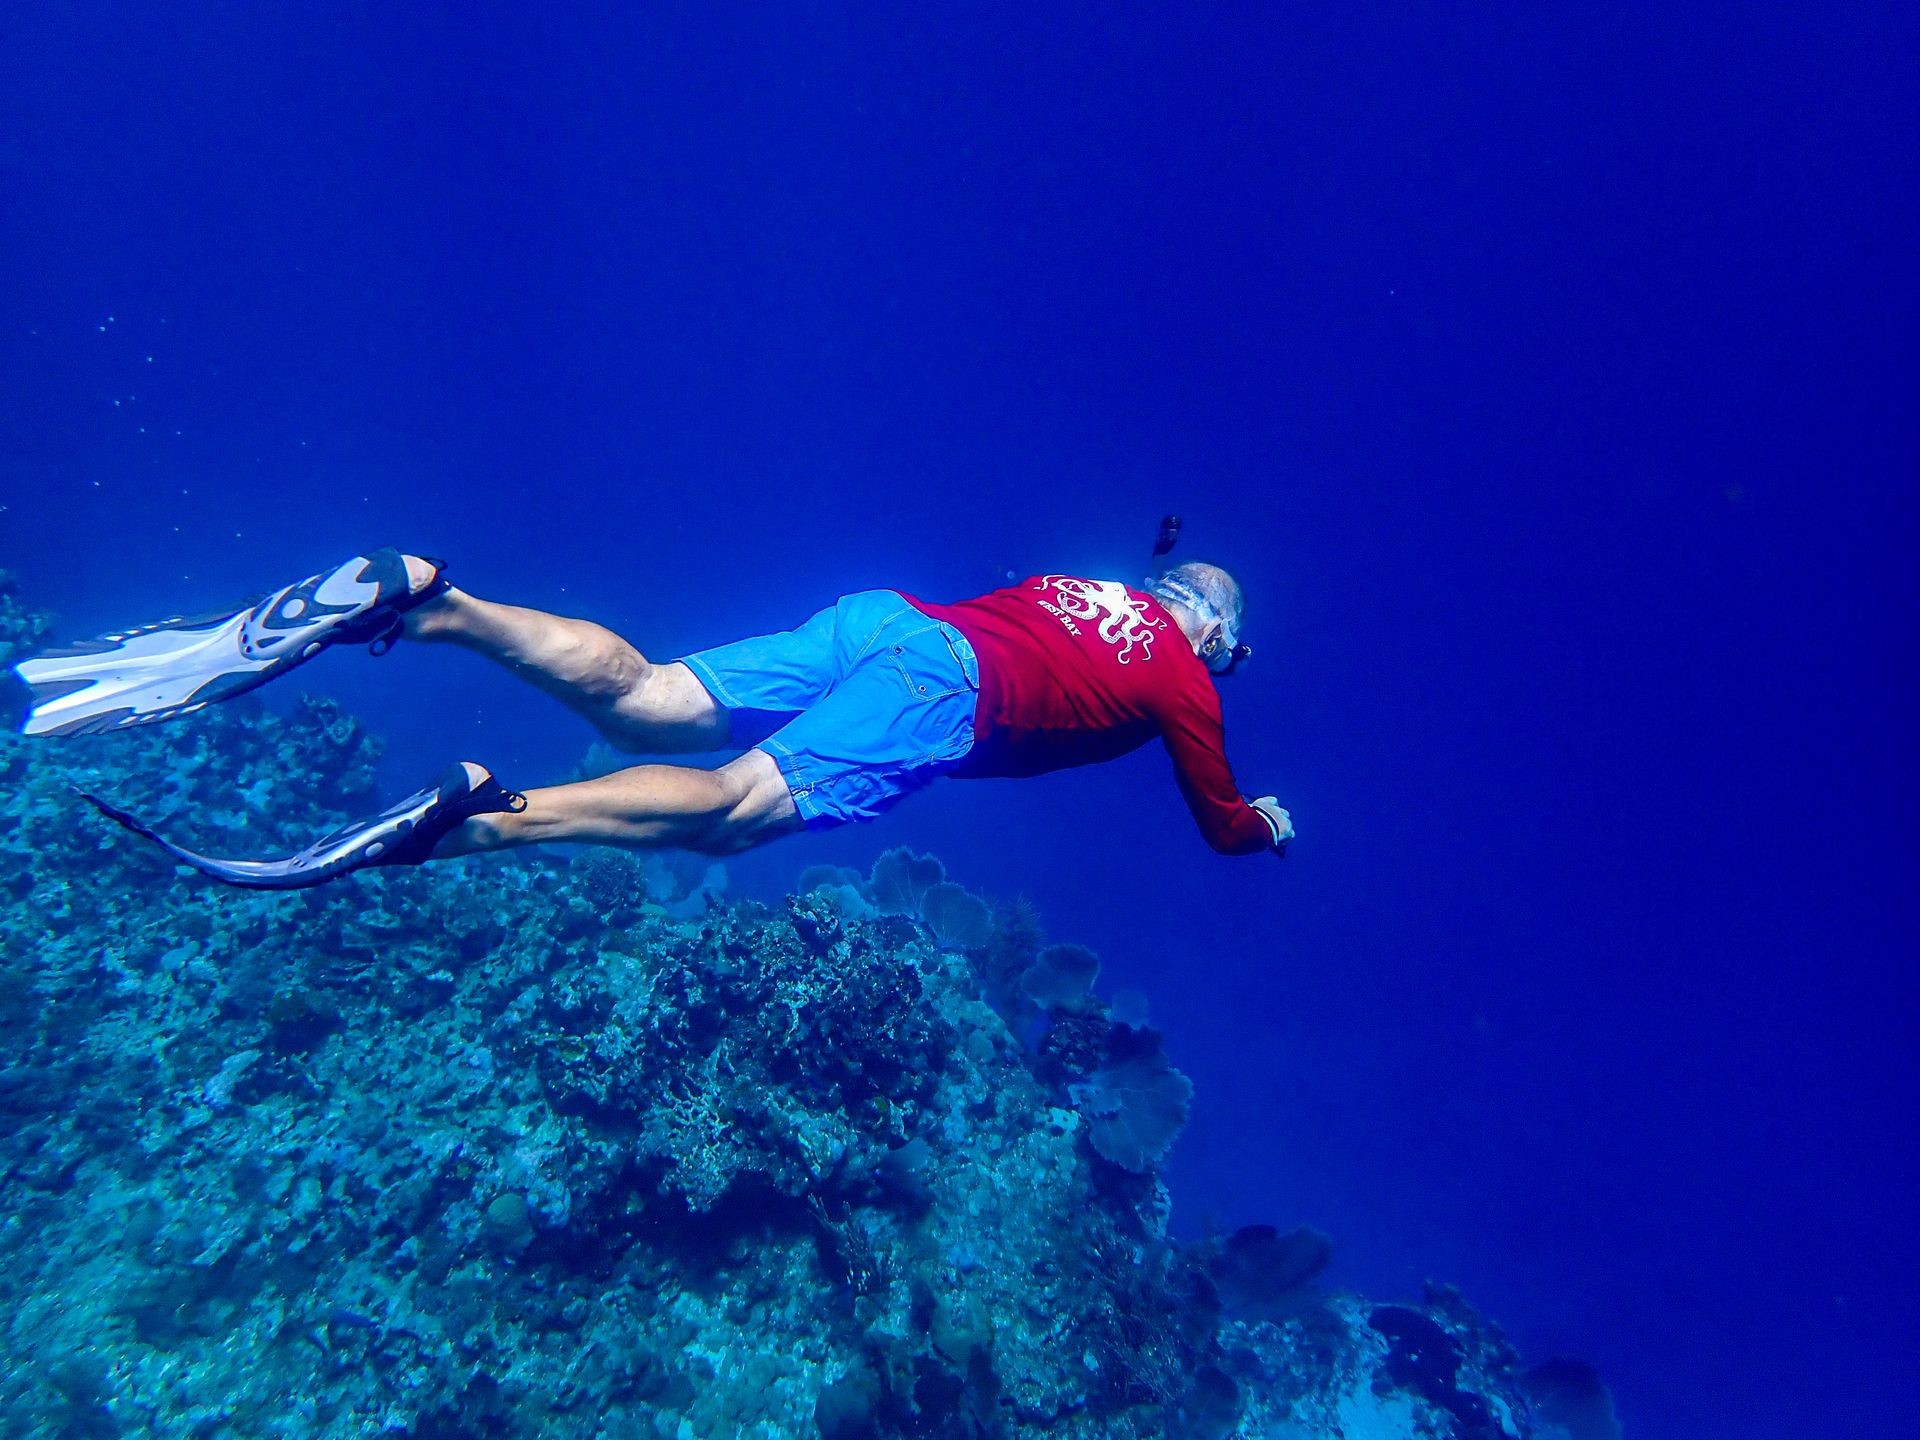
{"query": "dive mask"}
[(1226, 654)]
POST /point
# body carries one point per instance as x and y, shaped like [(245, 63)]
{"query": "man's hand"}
[(1277, 820)]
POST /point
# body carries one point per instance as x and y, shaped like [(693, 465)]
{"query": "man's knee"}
[(666, 709), (750, 805)]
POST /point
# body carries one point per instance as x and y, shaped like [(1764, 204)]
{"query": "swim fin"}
[(177, 666), (402, 834)]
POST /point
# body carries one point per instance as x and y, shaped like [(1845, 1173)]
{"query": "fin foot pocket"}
[(405, 833), (169, 668)]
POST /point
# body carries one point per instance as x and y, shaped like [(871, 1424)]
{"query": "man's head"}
[(1208, 606)]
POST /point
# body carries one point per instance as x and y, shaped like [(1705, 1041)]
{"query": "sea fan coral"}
[(958, 918), (1061, 976), (1135, 1107), (901, 879), (1261, 1271), (828, 877)]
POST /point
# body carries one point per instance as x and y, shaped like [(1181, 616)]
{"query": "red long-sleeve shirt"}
[(1075, 671)]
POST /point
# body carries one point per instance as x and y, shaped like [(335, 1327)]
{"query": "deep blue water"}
[(1548, 379)]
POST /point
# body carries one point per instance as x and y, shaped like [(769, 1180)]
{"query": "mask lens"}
[(1229, 655)]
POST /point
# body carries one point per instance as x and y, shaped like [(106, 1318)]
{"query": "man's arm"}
[(1195, 738)]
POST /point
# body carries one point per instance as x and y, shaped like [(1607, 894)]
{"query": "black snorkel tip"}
[(1168, 535)]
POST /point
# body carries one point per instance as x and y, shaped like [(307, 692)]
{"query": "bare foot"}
[(431, 617)]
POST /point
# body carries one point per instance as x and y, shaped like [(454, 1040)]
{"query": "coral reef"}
[(22, 631), (581, 1147)]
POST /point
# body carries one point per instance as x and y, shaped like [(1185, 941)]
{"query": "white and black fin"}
[(402, 834), (179, 665)]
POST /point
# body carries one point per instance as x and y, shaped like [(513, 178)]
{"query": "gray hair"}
[(1213, 587)]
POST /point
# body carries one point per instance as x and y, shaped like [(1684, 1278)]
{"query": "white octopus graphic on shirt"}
[(1122, 619)]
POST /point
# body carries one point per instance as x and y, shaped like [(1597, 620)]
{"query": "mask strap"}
[(1179, 590)]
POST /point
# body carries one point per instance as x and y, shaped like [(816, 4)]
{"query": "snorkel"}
[(1225, 654)]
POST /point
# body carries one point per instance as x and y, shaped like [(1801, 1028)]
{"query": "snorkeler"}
[(870, 700)]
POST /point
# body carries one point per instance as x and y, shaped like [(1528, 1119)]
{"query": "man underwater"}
[(871, 699)]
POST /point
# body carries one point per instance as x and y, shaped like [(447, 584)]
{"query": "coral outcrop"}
[(551, 1147)]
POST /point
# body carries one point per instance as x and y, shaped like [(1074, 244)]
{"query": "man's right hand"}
[(1278, 820)]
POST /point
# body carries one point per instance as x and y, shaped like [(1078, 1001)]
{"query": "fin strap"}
[(391, 630), (388, 839), (457, 804)]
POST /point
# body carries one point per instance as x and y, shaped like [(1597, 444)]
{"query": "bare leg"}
[(636, 704), (718, 812)]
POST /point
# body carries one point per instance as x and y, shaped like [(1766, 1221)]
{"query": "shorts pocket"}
[(932, 662)]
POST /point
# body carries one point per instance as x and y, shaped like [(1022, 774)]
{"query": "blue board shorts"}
[(867, 702)]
